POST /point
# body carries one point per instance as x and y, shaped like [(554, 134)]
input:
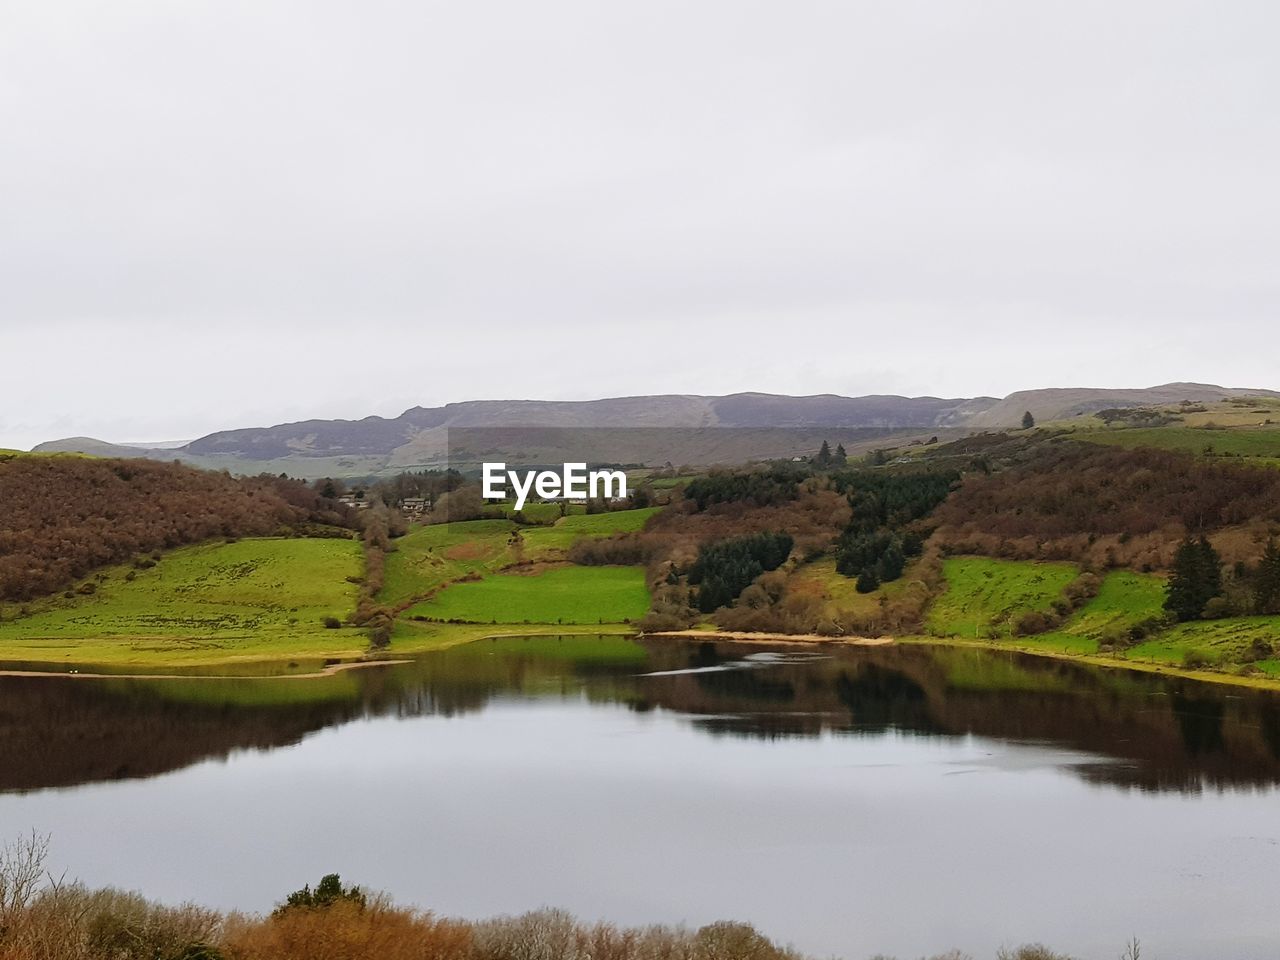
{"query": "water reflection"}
[(1137, 730)]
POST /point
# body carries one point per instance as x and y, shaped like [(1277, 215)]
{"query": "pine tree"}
[(824, 455), (1266, 596), (1197, 579), (841, 456), (867, 581), (892, 563), (1210, 570), (1028, 421)]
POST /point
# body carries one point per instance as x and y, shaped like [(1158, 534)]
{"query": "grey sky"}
[(236, 213)]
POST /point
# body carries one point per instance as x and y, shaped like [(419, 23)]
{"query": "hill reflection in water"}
[(1111, 727)]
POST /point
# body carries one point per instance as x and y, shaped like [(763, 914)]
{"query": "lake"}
[(851, 801)]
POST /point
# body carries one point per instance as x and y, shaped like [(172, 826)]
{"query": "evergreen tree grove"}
[(1266, 596), (1197, 579)]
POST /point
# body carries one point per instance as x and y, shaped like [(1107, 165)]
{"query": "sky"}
[(226, 214)]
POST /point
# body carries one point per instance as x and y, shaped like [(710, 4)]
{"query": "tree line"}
[(761, 487), (725, 568), (879, 538)]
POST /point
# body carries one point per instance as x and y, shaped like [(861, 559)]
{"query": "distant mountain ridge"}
[(419, 435), (1063, 403), (377, 435)]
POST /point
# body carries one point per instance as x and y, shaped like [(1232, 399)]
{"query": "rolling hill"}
[(682, 428)]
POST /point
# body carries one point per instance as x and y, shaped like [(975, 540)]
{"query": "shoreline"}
[(747, 636), (331, 670), (1257, 682)]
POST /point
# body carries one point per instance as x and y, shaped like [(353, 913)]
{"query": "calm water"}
[(852, 801)]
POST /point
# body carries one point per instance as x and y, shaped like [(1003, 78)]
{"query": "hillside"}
[(65, 516), (680, 428), (101, 448), (1065, 403)]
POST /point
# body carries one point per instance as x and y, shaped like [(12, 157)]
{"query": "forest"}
[(1106, 507)]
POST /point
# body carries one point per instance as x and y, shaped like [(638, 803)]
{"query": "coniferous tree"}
[(842, 457), (892, 563), (1266, 596), (824, 455), (1028, 421), (1210, 569), (1197, 579), (867, 581)]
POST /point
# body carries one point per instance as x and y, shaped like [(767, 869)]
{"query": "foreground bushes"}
[(44, 919)]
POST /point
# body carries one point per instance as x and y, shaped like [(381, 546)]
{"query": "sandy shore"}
[(739, 636)]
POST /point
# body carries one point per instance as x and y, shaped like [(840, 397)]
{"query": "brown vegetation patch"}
[(67, 516), (1110, 507)]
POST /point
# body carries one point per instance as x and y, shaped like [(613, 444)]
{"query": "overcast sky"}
[(232, 213)]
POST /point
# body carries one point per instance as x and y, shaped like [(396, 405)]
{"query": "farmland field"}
[(1239, 442), (1125, 600), (1212, 641), (985, 597), (253, 597), (540, 542), (561, 595), (430, 556)]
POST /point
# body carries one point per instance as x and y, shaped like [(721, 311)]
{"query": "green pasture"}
[(1125, 600), (430, 556), (1236, 442), (572, 595), (251, 598), (542, 542), (984, 598)]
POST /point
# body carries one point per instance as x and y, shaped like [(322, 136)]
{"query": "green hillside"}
[(254, 597), (562, 595), (985, 597)]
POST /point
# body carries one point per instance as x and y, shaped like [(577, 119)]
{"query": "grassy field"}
[(428, 557), (985, 597), (820, 579), (1215, 642), (543, 542), (1126, 599), (575, 595), (1241, 441), (262, 602), (251, 598)]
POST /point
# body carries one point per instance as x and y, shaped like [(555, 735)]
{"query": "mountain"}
[(746, 425), (1064, 403), (421, 435), (416, 428)]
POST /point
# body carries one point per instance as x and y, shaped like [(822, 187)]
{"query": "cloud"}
[(235, 213)]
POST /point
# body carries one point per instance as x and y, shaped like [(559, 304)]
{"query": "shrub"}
[(1196, 658), (331, 623), (1035, 621)]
